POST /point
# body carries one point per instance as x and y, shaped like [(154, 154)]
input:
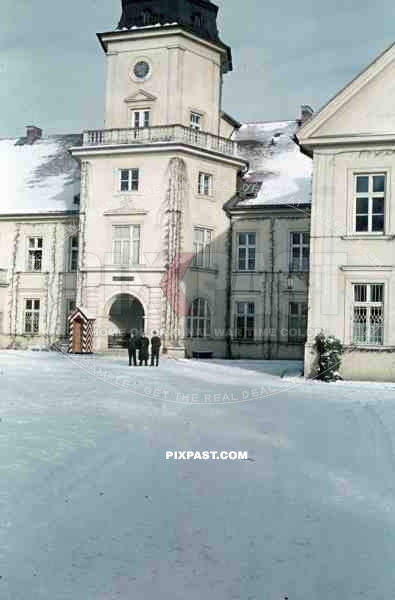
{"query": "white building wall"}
[(186, 76), (271, 286), (340, 257), (102, 206), (53, 285)]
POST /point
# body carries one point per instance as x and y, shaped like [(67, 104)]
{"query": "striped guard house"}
[(81, 330)]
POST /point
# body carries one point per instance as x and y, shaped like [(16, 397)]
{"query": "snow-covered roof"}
[(40, 177), (282, 174)]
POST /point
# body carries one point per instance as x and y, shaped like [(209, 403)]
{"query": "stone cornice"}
[(81, 151), (125, 211), (366, 268), (256, 211), (48, 216), (348, 139), (149, 32), (367, 237), (124, 270)]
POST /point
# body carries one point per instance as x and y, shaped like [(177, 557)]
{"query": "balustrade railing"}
[(159, 135)]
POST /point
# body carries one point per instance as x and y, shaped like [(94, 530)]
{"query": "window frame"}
[(370, 195), (202, 247), (300, 319), (143, 120), (249, 249), (35, 316), (246, 315), (368, 305), (133, 180), (302, 262), (73, 254), (196, 125), (205, 184), (34, 250), (194, 321), (130, 246)]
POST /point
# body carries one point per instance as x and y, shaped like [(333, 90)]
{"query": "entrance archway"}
[(126, 315)]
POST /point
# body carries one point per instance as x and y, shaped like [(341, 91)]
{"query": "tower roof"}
[(197, 16)]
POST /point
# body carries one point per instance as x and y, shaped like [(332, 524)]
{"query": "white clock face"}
[(141, 70)]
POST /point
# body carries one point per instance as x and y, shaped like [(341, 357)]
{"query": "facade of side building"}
[(269, 244), (39, 237), (352, 277)]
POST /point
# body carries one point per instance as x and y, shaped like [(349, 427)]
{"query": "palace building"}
[(176, 217)]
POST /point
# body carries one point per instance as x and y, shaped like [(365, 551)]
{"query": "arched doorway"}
[(126, 315)]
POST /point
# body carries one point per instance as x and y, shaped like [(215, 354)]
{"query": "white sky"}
[(285, 54)]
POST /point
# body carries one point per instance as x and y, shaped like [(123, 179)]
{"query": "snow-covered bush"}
[(329, 349)]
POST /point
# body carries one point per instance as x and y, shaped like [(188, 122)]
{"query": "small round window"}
[(141, 69)]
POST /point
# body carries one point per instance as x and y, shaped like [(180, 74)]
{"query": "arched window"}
[(199, 320)]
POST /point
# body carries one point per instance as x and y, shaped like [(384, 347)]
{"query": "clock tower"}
[(171, 50), (155, 178)]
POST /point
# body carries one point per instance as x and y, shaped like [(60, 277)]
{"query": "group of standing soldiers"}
[(140, 344)]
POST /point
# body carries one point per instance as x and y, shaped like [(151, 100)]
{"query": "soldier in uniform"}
[(132, 350), (155, 347), (143, 353)]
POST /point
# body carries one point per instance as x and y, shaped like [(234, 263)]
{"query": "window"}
[(141, 118), (35, 257), (245, 320), (202, 246), (196, 121), (32, 316), (147, 17), (129, 180), (73, 256), (246, 251), (126, 244), (197, 20), (297, 321), (368, 313), (199, 320), (300, 251), (205, 184), (369, 203)]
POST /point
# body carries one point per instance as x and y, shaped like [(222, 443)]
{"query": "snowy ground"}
[(91, 509)]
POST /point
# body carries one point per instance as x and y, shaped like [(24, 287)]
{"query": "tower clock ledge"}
[(166, 134)]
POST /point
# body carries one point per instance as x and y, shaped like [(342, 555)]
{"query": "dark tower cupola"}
[(197, 16)]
